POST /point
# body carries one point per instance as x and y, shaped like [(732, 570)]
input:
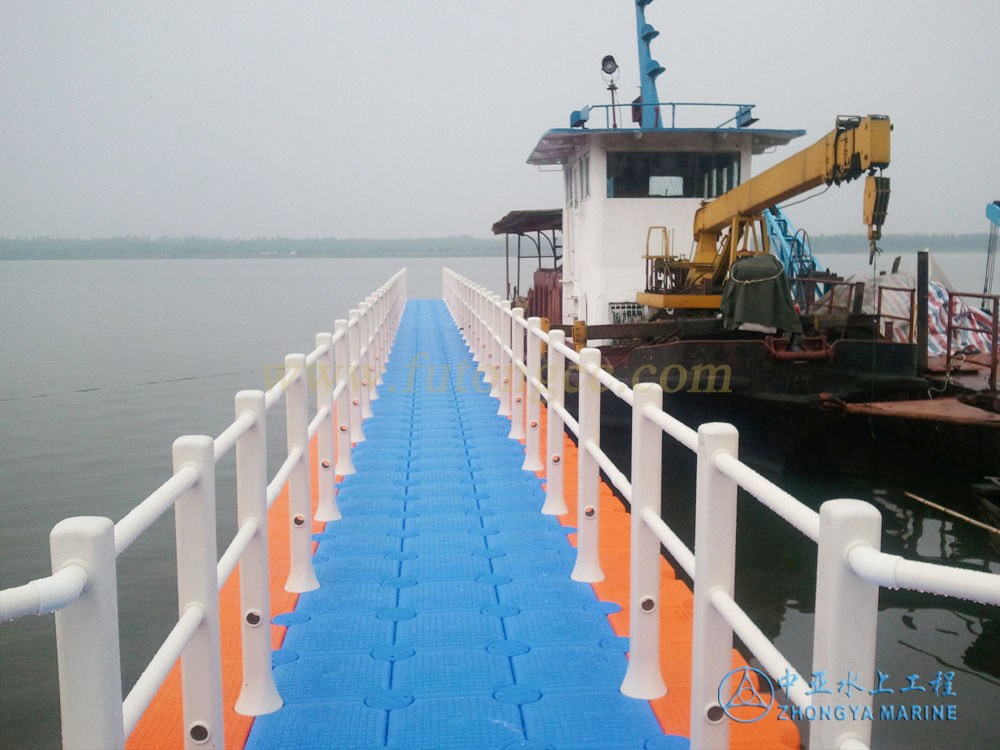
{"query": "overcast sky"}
[(413, 118)]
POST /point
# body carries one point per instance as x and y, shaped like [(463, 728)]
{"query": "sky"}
[(414, 118)]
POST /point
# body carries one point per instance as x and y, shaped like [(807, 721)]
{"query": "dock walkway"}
[(446, 617)]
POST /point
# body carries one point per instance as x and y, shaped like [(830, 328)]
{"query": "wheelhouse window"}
[(671, 174)]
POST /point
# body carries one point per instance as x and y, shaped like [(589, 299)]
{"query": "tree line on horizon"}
[(112, 248)]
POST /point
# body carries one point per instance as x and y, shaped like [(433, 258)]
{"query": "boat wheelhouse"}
[(622, 181)]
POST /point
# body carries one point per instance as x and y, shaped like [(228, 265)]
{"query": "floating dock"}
[(446, 616), (435, 600)]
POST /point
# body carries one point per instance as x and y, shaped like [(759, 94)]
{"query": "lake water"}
[(103, 364)]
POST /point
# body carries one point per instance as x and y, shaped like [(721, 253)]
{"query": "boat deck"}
[(946, 410)]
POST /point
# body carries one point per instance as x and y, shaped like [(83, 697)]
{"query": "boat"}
[(748, 327)]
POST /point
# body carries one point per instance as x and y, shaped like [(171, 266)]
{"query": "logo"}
[(740, 698)]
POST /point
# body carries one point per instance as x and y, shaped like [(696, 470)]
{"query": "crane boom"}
[(855, 147)]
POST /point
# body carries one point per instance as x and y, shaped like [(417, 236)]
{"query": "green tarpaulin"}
[(757, 293)]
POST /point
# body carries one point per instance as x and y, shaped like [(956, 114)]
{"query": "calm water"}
[(103, 364)]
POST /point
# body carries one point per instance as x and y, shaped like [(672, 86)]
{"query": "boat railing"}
[(617, 115), (992, 329), (850, 565), (83, 591), (838, 295), (886, 330)]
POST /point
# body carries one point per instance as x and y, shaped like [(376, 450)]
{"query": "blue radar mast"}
[(649, 69)]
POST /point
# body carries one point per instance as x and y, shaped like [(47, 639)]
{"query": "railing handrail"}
[(847, 532), (82, 590)]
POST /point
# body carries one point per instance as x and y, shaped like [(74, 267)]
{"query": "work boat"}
[(748, 326), (647, 180)]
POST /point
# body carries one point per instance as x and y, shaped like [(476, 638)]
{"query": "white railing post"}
[(471, 322), (468, 319), (326, 504), (379, 338), (588, 509), (497, 325), (342, 368), (505, 374), (555, 504), (494, 347), (197, 586), (386, 328), (516, 376), (715, 566), (643, 678), (532, 462), (258, 695), (90, 683), (354, 375), (365, 358), (301, 576), (372, 350), (481, 345), (846, 623), (476, 327)]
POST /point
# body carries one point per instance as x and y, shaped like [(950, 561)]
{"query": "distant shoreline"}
[(190, 248)]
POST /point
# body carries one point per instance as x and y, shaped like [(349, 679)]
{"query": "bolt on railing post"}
[(326, 504), (492, 307), (715, 563), (301, 576), (555, 503), (197, 586), (643, 678), (846, 620), (90, 684), (258, 694), (516, 376), (505, 374), (342, 368), (354, 375), (365, 339), (588, 509), (532, 462)]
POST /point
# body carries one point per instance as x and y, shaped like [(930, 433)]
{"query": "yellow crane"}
[(732, 225)]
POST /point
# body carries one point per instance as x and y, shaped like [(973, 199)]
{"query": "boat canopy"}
[(560, 145), (522, 222)]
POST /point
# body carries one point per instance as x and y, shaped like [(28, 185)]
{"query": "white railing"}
[(850, 565), (82, 590)]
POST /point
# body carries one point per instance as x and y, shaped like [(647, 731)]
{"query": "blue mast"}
[(649, 68)]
